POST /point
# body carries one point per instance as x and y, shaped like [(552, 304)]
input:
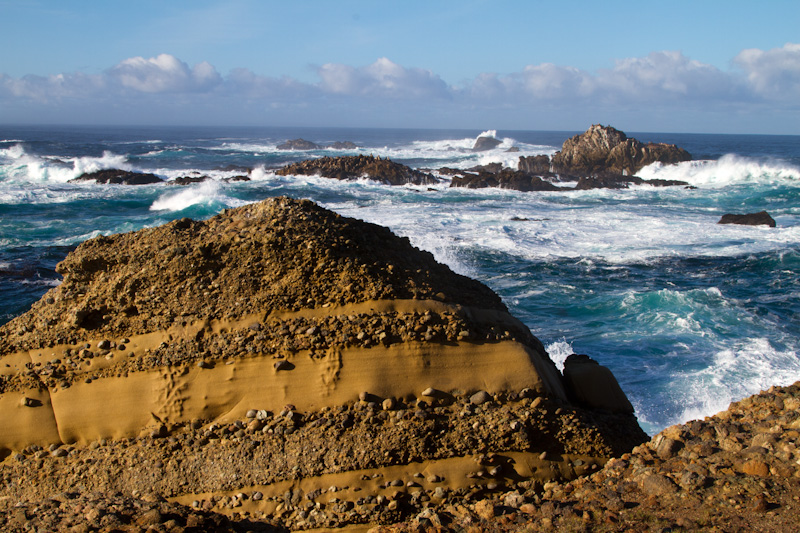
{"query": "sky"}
[(701, 66)]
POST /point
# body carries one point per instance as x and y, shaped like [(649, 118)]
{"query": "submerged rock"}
[(749, 219)]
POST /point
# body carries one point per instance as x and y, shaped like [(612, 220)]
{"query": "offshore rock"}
[(606, 149), (485, 143), (298, 144), (118, 177), (505, 179), (749, 219), (534, 164), (357, 167)]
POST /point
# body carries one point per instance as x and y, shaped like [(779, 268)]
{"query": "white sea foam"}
[(205, 193), (559, 351), (728, 170), (21, 166), (735, 373)]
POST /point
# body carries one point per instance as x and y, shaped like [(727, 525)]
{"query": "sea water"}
[(688, 314)]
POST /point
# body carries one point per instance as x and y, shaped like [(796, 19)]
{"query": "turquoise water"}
[(688, 314)]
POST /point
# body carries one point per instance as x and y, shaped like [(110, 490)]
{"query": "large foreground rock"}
[(282, 361)]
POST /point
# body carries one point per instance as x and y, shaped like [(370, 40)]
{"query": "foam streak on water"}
[(688, 314)]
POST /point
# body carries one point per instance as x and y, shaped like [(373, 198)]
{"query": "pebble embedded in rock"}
[(480, 397)]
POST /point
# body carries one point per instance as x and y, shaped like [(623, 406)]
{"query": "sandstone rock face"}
[(749, 219), (253, 361), (119, 177), (359, 166), (606, 149)]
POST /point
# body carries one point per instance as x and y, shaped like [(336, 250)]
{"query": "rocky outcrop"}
[(749, 219), (485, 142), (304, 145), (606, 149), (534, 164), (279, 348), (505, 179), (600, 158), (359, 167), (734, 471), (298, 144), (118, 177), (343, 145)]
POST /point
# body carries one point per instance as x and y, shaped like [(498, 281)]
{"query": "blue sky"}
[(700, 66)]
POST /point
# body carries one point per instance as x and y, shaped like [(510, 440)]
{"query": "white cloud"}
[(660, 85), (383, 78), (775, 73), (164, 73)]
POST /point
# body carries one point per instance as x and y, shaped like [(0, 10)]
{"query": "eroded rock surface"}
[(285, 365)]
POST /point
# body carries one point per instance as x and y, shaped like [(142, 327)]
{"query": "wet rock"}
[(298, 144), (485, 142), (762, 218), (119, 177), (360, 166)]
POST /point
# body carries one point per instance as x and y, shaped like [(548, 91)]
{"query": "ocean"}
[(688, 314)]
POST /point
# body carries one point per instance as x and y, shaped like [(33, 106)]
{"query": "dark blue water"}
[(688, 314)]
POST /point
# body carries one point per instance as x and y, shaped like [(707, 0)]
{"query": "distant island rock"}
[(762, 218), (304, 145), (298, 144), (118, 177), (357, 167), (606, 149), (486, 142)]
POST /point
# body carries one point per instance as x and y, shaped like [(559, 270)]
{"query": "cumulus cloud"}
[(668, 81), (383, 78), (164, 73), (773, 73)]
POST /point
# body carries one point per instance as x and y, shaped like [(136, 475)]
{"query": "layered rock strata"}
[(279, 348)]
